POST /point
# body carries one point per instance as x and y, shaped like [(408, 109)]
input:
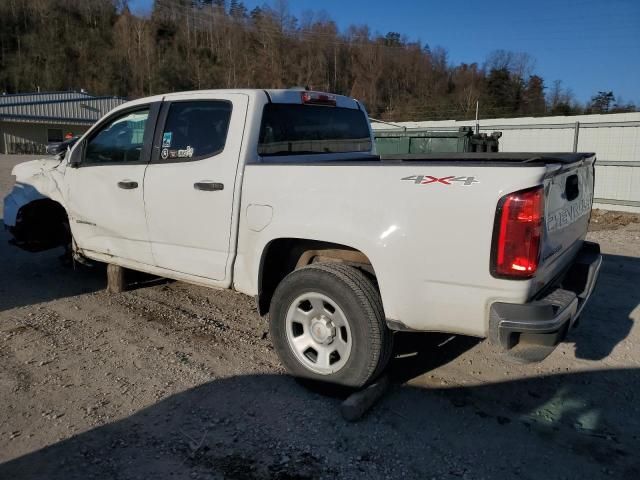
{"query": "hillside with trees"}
[(99, 45)]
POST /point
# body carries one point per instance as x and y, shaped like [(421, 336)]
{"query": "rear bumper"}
[(530, 332)]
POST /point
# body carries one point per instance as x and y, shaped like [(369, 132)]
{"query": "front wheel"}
[(327, 324)]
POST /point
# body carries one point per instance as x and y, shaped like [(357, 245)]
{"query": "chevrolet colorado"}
[(279, 194)]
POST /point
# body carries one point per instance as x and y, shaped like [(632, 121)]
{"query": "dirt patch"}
[(610, 220)]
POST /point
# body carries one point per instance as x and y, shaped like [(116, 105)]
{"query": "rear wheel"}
[(327, 324)]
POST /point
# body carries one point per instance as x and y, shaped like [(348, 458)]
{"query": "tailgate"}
[(568, 200)]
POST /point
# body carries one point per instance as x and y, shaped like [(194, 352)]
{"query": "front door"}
[(189, 184), (105, 191)]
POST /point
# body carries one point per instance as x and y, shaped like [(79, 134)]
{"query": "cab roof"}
[(290, 96)]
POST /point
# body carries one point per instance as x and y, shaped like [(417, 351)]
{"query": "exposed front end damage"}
[(34, 211)]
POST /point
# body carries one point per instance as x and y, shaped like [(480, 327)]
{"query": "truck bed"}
[(534, 158), (440, 159)]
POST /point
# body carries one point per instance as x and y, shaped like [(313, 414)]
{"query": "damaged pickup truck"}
[(278, 194)]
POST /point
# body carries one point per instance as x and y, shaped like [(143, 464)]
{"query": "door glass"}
[(120, 141), (195, 130)]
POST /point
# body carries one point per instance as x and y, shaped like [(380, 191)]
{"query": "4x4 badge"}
[(429, 179)]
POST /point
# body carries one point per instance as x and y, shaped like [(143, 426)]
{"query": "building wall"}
[(31, 138), (614, 138)]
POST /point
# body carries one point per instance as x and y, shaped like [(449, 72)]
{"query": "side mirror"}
[(76, 155)]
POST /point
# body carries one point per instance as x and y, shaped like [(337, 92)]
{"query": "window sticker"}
[(164, 153), (166, 139), (186, 153)]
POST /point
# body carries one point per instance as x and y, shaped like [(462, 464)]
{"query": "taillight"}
[(317, 98), (517, 234)]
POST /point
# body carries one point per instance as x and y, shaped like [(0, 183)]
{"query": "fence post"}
[(576, 133)]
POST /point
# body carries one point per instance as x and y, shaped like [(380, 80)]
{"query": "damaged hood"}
[(35, 180), (25, 170)]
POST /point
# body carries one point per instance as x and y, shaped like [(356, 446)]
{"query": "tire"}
[(306, 332)]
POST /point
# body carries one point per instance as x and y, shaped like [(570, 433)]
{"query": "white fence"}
[(615, 138)]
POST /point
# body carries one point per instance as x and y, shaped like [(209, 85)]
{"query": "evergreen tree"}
[(533, 98), (601, 103)]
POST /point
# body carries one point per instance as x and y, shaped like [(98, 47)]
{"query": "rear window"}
[(290, 129)]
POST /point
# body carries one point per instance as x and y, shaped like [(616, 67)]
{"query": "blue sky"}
[(590, 45)]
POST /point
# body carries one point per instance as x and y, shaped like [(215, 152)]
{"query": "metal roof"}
[(60, 107), (41, 96)]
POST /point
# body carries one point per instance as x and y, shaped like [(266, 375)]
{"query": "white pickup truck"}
[(278, 194)]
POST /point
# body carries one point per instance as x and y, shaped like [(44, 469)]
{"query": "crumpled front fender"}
[(20, 196), (35, 180)]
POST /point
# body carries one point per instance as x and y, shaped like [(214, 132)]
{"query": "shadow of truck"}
[(258, 427)]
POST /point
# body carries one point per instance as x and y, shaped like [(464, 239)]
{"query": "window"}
[(290, 129), (195, 130), (120, 141), (54, 135)]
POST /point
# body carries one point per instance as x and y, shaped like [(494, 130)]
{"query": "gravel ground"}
[(175, 381)]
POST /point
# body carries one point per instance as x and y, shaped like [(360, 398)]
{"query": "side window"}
[(195, 130), (119, 141)]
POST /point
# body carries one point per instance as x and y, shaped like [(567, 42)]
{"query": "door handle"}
[(208, 186), (127, 184)]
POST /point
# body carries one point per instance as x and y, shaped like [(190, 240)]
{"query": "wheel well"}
[(284, 255), (41, 225)]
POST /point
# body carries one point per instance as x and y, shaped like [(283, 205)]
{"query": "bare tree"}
[(102, 46)]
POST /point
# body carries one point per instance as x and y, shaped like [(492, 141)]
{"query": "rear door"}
[(189, 184)]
